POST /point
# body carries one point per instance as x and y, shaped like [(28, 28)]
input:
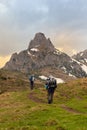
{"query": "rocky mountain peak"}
[(39, 36), (41, 43)]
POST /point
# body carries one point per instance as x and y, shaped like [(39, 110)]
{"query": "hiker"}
[(31, 79), (50, 85)]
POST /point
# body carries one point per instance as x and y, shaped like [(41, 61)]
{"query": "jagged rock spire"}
[(41, 42)]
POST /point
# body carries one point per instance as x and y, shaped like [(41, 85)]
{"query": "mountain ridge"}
[(41, 53)]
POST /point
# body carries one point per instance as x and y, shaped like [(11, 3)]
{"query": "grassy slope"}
[(22, 109)]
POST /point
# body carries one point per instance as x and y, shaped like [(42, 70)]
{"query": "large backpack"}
[(53, 83), (50, 83), (31, 78)]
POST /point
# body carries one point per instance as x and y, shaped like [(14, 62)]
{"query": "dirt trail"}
[(69, 109), (35, 98)]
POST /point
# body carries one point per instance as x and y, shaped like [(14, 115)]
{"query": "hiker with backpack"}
[(50, 85), (31, 79)]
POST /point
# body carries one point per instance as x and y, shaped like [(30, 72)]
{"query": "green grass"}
[(18, 111), (28, 110)]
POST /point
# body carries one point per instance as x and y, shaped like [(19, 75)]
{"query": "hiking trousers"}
[(31, 85), (50, 95)]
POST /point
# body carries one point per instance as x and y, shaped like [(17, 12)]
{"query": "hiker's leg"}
[(52, 93), (32, 85), (49, 96)]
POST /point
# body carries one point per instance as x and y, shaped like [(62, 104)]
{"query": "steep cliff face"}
[(41, 53)]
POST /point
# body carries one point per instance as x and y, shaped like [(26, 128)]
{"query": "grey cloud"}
[(27, 13), (68, 14), (58, 13), (53, 17)]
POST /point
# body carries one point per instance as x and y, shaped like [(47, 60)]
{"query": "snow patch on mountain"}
[(72, 75), (30, 53), (76, 61), (82, 60), (57, 52), (34, 49), (84, 67), (64, 69), (57, 79), (43, 77), (85, 59), (81, 54)]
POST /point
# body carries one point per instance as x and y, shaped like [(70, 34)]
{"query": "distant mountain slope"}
[(81, 57), (41, 53)]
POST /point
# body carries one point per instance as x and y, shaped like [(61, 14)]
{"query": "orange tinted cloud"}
[(64, 42), (3, 60)]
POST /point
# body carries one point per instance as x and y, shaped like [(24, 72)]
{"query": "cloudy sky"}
[(64, 21)]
